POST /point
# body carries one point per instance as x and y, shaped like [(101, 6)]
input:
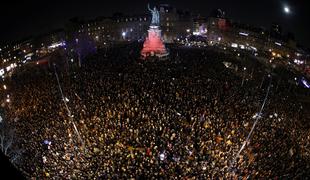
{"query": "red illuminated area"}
[(153, 44)]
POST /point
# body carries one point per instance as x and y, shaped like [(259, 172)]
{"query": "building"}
[(216, 29), (120, 27), (174, 23)]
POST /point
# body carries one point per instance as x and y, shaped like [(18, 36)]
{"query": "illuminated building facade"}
[(120, 27), (175, 25)]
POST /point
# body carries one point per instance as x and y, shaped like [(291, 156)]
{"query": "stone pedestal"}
[(153, 44)]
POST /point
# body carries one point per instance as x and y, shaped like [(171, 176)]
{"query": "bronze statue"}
[(155, 15)]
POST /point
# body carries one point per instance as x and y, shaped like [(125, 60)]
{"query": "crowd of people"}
[(182, 118)]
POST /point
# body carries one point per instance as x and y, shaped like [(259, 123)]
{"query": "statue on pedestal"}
[(153, 45), (155, 16)]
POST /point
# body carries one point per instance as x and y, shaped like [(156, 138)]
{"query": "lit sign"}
[(279, 44), (243, 34), (56, 45), (234, 45), (305, 83)]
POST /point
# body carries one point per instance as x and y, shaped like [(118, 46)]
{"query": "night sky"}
[(20, 19)]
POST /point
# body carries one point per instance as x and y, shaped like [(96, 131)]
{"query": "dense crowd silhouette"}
[(183, 118)]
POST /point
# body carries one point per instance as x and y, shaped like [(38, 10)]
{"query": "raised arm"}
[(148, 7)]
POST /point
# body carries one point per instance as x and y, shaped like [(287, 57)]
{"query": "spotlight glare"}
[(287, 9)]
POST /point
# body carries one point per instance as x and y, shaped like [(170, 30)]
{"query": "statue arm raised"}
[(148, 7)]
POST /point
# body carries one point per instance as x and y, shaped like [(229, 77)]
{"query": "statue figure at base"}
[(155, 15)]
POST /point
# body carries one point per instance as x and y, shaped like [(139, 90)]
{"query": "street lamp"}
[(124, 35), (244, 69)]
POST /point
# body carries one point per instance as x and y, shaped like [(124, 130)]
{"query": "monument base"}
[(153, 45)]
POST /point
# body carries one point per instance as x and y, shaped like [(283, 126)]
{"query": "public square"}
[(186, 117), (155, 91)]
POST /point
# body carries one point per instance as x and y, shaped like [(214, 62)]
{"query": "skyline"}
[(31, 18)]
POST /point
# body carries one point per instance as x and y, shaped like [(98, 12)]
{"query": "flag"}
[(218, 139), (229, 142)]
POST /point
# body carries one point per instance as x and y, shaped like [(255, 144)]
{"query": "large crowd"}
[(182, 118)]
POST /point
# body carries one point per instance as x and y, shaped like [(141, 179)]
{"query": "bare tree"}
[(8, 143)]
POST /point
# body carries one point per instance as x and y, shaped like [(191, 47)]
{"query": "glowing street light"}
[(287, 10), (123, 34), (4, 86)]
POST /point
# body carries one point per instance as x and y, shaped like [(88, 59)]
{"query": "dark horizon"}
[(32, 18)]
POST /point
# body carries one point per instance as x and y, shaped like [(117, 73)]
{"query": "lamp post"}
[(65, 100), (244, 69), (261, 84), (124, 35)]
